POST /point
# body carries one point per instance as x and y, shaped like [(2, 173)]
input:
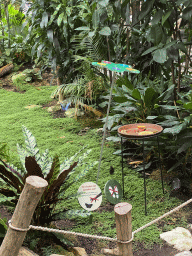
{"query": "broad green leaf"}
[(106, 31), (120, 99), (149, 97), (187, 13), (168, 123), (146, 8), (136, 94), (95, 19), (113, 138), (181, 47), (60, 19), (160, 55), (138, 169), (83, 28), (157, 17), (166, 95), (151, 117), (188, 105), (149, 50), (39, 48), (50, 35), (54, 14), (176, 129), (103, 3), (165, 17), (44, 20), (168, 45), (156, 34), (168, 107), (185, 146)]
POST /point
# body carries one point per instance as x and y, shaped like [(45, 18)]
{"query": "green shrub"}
[(56, 174)]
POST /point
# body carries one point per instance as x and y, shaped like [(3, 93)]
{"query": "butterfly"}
[(64, 108)]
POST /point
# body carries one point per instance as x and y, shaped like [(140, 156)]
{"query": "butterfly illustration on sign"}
[(113, 191), (90, 196)]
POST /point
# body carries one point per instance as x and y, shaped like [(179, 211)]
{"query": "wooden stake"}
[(124, 228), (28, 200)]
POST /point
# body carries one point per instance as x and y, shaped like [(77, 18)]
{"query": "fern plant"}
[(56, 174), (85, 90)]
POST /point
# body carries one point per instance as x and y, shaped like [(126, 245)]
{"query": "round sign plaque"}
[(90, 196), (113, 191)]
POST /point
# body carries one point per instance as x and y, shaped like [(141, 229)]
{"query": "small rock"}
[(72, 112), (180, 237), (78, 251), (26, 252), (53, 108), (114, 251), (185, 253)]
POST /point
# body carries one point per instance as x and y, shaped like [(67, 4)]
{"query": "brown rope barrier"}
[(102, 237)]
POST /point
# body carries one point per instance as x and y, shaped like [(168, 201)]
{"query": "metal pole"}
[(160, 165), (122, 165), (105, 126), (145, 196)]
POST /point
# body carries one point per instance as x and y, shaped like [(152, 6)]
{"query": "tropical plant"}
[(85, 89), (135, 101), (52, 27), (56, 174), (12, 35), (153, 102)]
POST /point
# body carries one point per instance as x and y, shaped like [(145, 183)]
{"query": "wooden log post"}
[(21, 219), (124, 228)]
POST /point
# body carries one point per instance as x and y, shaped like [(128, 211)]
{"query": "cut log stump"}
[(6, 69)]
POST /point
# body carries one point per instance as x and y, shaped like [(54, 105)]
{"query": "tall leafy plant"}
[(56, 174), (52, 27)]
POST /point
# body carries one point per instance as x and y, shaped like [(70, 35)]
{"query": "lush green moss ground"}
[(61, 137)]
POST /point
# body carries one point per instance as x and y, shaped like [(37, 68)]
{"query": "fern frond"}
[(45, 162), (31, 144)]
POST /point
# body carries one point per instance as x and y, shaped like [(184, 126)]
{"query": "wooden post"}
[(28, 200), (124, 227)]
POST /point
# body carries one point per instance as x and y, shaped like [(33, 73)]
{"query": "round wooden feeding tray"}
[(139, 130)]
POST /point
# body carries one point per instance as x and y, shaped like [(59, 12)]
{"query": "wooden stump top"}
[(36, 181), (122, 208)]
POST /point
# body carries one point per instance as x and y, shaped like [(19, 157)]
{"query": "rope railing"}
[(28, 200), (103, 237)]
